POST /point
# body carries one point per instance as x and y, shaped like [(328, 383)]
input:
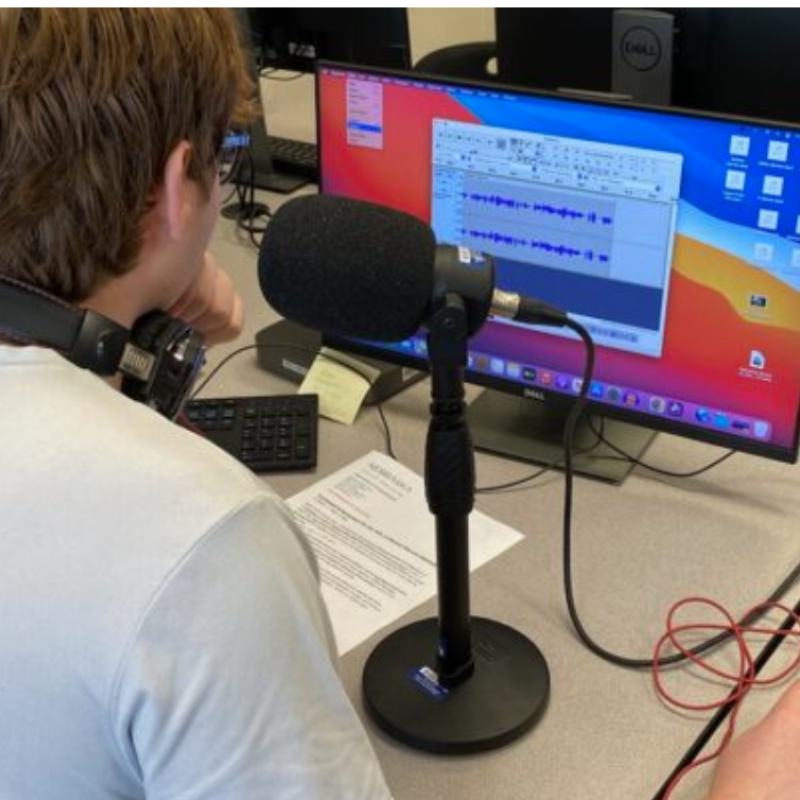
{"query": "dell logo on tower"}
[(641, 49)]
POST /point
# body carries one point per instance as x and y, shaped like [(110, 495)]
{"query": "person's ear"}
[(178, 192)]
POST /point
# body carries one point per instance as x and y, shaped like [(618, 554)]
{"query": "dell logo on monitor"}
[(641, 49), (533, 394)]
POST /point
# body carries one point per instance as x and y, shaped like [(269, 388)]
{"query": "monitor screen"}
[(294, 38), (674, 238)]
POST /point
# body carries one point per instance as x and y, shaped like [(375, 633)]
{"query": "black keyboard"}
[(268, 434), (301, 158)]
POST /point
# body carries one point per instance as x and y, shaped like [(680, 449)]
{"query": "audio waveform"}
[(562, 250), (565, 212)]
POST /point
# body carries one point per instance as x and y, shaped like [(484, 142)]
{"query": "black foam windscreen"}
[(348, 267)]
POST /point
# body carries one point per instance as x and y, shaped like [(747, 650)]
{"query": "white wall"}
[(433, 28)]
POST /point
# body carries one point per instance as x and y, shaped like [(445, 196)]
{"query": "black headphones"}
[(159, 358)]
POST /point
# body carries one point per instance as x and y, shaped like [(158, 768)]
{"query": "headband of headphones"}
[(159, 357)]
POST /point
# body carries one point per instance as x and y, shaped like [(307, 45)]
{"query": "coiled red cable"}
[(743, 680)]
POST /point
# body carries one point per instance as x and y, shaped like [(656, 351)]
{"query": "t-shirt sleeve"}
[(229, 689)]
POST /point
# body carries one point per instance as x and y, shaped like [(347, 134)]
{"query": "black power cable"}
[(501, 487), (623, 456)]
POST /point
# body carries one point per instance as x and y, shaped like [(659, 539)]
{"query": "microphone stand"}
[(455, 684)]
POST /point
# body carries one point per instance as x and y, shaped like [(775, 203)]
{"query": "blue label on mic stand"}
[(428, 680)]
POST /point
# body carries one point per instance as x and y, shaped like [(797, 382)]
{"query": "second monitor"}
[(731, 60)]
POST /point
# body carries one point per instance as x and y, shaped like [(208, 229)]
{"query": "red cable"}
[(744, 679)]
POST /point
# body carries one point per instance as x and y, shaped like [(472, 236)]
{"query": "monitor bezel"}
[(539, 393)]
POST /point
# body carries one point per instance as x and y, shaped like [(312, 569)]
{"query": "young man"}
[(162, 634)]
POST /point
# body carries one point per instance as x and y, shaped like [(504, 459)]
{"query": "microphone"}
[(352, 268)]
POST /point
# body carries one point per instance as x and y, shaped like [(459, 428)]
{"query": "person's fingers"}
[(212, 305), (229, 328)]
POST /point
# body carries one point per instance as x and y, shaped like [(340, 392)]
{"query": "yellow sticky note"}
[(342, 383)]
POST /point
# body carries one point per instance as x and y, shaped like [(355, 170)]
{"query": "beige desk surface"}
[(731, 534)]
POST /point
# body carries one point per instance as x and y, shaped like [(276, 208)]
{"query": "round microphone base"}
[(500, 701)]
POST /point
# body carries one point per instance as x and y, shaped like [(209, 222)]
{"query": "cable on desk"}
[(247, 211), (500, 487), (744, 680), (598, 431), (668, 473), (288, 345), (230, 161), (607, 655)]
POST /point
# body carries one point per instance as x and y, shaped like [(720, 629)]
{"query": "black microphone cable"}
[(573, 418)]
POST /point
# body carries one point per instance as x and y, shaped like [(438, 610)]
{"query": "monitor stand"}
[(527, 430)]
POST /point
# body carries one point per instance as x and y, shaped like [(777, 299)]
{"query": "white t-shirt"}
[(162, 634)]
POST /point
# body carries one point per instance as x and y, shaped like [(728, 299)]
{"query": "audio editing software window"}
[(570, 207)]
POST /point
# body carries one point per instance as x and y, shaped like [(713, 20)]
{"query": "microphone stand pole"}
[(455, 684)]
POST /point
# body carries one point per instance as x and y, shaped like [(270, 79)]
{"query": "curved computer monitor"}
[(672, 236)]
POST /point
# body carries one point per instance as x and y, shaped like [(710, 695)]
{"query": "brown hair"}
[(92, 102)]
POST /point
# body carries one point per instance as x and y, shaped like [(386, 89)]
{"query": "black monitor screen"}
[(294, 38), (730, 60), (674, 238)]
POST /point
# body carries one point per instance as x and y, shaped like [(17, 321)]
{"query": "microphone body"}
[(351, 268)]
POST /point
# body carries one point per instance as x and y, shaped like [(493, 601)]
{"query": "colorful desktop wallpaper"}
[(730, 361)]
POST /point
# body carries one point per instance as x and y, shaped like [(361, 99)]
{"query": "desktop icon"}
[(703, 415), (739, 145), (529, 374), (741, 425), (563, 382), (674, 408), (577, 385), (596, 390), (657, 405), (497, 366), (758, 301), (761, 430), (631, 399), (613, 394), (513, 371), (546, 378), (757, 359), (721, 420)]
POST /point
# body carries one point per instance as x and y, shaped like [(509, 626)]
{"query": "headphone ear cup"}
[(178, 352), (155, 330)]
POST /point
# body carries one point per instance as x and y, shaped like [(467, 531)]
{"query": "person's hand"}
[(211, 305), (762, 763)]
